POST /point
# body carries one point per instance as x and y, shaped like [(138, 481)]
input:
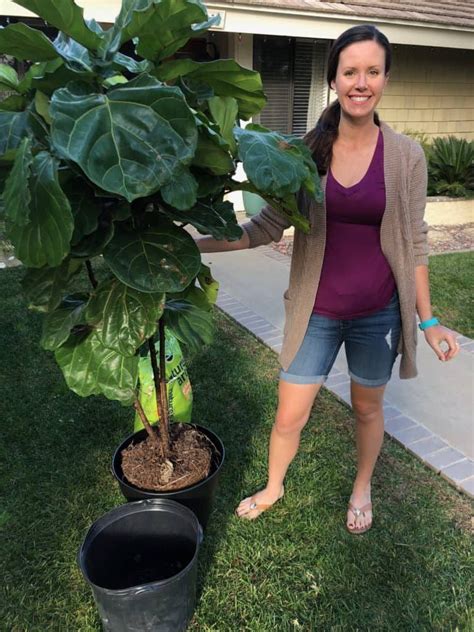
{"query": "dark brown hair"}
[(320, 139)]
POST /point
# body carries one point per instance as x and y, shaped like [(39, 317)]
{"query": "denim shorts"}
[(370, 343)]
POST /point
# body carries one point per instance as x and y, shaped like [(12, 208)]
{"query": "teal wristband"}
[(428, 323)]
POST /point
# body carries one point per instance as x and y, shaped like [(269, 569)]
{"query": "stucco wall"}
[(431, 90)]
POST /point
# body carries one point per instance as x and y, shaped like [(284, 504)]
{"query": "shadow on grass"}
[(234, 391), (55, 454)]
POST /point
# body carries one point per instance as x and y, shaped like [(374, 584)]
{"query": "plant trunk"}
[(159, 377), (91, 275), (151, 433)]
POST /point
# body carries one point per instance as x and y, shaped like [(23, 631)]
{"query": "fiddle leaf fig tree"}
[(111, 156)]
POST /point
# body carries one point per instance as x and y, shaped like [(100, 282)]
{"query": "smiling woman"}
[(361, 274)]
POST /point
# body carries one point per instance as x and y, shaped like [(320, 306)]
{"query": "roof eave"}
[(278, 21)]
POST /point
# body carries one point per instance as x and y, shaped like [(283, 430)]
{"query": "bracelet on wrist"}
[(431, 322)]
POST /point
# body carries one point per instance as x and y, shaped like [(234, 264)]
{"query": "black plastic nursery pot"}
[(198, 497), (140, 560)]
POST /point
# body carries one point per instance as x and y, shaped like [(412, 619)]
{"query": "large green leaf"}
[(287, 206), (211, 130), (274, 162), (170, 25), (196, 93), (212, 218), (192, 294), (50, 75), (8, 77), (75, 55), (121, 211), (89, 368), (42, 106), (93, 244), (182, 191), (190, 324), (123, 61), (204, 296), (210, 156), (45, 239), (85, 207), (37, 125), (17, 195), (224, 111), (44, 287), (162, 258), (124, 318), (209, 184), (23, 42), (66, 16), (312, 182), (38, 70), (13, 103), (58, 324), (208, 283), (212, 151), (161, 26), (225, 77), (133, 15), (13, 128), (130, 141), (95, 27)]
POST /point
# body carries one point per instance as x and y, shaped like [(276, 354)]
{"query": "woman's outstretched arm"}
[(209, 244)]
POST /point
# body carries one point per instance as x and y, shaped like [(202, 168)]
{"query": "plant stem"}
[(153, 436), (159, 378), (156, 375), (165, 424), (90, 272)]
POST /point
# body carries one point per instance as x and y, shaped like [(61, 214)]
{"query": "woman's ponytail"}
[(320, 139)]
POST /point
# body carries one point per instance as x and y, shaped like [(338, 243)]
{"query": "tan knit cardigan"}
[(403, 238)]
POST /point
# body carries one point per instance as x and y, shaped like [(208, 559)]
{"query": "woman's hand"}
[(434, 336)]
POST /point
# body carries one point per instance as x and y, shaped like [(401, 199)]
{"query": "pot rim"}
[(138, 506), (220, 447)]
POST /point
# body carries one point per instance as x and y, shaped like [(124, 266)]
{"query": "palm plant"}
[(451, 167)]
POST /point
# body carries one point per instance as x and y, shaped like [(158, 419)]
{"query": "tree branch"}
[(90, 273), (151, 433)]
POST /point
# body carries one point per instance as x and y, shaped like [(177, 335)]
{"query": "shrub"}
[(451, 167)]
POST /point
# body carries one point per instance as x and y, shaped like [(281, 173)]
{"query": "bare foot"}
[(359, 521), (251, 507)]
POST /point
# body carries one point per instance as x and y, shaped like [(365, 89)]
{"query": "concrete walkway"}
[(431, 415)]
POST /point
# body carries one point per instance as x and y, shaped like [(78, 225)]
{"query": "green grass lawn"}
[(296, 568), (451, 278)]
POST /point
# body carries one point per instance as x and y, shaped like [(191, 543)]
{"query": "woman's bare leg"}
[(367, 403), (294, 406)]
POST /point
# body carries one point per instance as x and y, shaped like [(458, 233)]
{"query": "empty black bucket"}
[(140, 560), (199, 497)]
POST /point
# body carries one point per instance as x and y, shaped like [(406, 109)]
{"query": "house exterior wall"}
[(431, 90), (432, 85)]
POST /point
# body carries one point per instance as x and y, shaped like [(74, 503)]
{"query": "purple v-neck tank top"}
[(356, 279)]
